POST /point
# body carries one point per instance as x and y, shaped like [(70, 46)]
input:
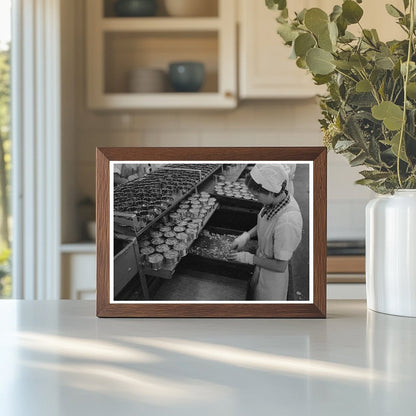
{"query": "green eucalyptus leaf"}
[(342, 25), (344, 65), (320, 61), (321, 79), (363, 86), (336, 12), (351, 11), (333, 32), (411, 90), (405, 21), (303, 43), (301, 15), (358, 160), (394, 143), (281, 19), (375, 35), (287, 33), (406, 4), (316, 20), (285, 13), (374, 150), (301, 63), (382, 89), (412, 67), (384, 62), (347, 37), (343, 145), (388, 112), (276, 4), (393, 11), (368, 36), (365, 182), (358, 61), (325, 42), (374, 174)]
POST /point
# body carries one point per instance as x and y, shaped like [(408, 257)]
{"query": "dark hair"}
[(253, 186)]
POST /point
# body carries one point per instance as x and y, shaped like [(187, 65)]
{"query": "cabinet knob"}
[(229, 94)]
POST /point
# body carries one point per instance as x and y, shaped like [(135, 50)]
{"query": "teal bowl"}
[(135, 8), (186, 76)]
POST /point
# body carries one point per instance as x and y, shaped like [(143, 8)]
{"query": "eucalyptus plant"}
[(369, 111)]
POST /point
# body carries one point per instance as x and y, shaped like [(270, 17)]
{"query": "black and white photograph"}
[(211, 232)]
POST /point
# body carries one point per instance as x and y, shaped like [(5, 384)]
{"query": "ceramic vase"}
[(391, 253)]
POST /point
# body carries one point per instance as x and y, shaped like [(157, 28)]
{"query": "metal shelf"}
[(119, 229)]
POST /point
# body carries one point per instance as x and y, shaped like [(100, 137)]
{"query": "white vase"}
[(391, 253)]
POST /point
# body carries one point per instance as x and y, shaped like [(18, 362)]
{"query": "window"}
[(5, 147)]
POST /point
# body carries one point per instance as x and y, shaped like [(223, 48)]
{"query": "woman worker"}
[(278, 229)]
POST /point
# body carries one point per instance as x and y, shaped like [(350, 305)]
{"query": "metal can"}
[(192, 233), (157, 241), (156, 261), (181, 248), (171, 258), (156, 234), (146, 252), (182, 237), (171, 241), (163, 248)]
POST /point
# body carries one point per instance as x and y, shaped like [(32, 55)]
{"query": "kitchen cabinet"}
[(78, 264), (118, 45), (265, 70), (265, 67)]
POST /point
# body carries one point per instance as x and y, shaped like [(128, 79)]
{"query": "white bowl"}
[(147, 80), (191, 8)]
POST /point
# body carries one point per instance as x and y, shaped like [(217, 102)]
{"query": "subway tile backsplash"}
[(257, 123)]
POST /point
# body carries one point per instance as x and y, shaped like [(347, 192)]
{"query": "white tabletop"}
[(57, 358)]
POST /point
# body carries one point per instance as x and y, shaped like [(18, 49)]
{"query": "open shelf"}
[(160, 24), (118, 45), (127, 51), (209, 9)]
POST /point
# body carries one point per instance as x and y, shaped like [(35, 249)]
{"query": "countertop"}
[(57, 358)]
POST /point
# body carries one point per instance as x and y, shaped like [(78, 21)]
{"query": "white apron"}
[(278, 239)]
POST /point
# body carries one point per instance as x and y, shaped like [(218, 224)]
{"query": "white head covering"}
[(270, 177)]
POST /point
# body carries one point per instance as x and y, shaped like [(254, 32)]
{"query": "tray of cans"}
[(234, 193), (139, 203), (215, 243), (168, 241), (209, 254)]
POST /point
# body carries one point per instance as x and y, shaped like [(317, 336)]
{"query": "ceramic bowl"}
[(135, 8), (147, 80), (186, 76)]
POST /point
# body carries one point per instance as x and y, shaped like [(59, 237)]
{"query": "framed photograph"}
[(211, 232)]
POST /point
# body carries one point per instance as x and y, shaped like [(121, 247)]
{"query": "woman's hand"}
[(242, 257), (240, 241)]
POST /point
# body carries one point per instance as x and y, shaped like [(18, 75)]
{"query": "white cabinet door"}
[(78, 276), (264, 66), (265, 69)]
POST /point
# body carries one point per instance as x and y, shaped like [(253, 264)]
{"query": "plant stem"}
[(405, 81)]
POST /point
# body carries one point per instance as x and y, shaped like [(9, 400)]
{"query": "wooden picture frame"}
[(314, 306)]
